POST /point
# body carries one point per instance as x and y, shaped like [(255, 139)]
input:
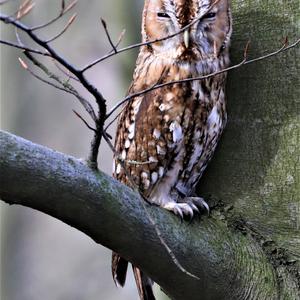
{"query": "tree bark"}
[(256, 168), (230, 265)]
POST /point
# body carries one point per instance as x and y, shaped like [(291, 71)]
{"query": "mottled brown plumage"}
[(166, 137)]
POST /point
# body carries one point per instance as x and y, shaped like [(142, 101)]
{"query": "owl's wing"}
[(148, 138)]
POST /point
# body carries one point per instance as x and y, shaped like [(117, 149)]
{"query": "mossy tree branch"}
[(229, 264)]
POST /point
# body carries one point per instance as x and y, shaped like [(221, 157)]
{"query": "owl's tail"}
[(144, 284), (119, 270)]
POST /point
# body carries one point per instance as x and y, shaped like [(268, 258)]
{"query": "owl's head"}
[(209, 36)]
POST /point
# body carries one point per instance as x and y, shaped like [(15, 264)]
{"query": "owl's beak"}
[(186, 38)]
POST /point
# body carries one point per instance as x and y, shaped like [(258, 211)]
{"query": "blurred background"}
[(41, 257)]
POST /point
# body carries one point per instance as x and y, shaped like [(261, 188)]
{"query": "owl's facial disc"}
[(206, 37)]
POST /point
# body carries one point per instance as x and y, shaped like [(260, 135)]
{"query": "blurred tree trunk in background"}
[(132, 18)]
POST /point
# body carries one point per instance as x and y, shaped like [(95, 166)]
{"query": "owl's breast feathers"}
[(167, 136)]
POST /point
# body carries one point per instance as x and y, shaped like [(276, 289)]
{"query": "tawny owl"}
[(166, 137)]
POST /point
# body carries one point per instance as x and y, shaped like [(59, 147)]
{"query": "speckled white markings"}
[(176, 129)]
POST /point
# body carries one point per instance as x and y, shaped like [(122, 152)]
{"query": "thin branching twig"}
[(245, 61), (121, 36), (71, 20), (114, 49), (100, 100), (26, 48), (138, 45), (64, 85), (63, 11), (66, 73), (24, 6), (84, 121), (25, 9)]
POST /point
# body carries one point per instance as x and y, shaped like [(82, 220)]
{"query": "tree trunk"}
[(256, 168)]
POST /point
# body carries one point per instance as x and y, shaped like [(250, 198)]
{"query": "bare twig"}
[(68, 8), (113, 120), (84, 121), (65, 86), (25, 9), (18, 37), (245, 61), (66, 73), (108, 36), (63, 11), (100, 100), (25, 48), (121, 36), (22, 7), (26, 67), (71, 20), (95, 143), (63, 5), (138, 45)]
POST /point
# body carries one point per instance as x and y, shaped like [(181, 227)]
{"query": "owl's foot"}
[(181, 209), (184, 207), (196, 202), (187, 207)]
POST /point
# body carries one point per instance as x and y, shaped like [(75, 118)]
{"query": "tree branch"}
[(113, 215)]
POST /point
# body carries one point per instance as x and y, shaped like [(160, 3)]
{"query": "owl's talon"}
[(178, 212), (198, 202), (188, 211), (180, 209), (194, 207)]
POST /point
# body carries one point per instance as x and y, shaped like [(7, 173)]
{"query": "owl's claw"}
[(198, 202), (177, 212), (193, 206), (180, 209), (187, 207)]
